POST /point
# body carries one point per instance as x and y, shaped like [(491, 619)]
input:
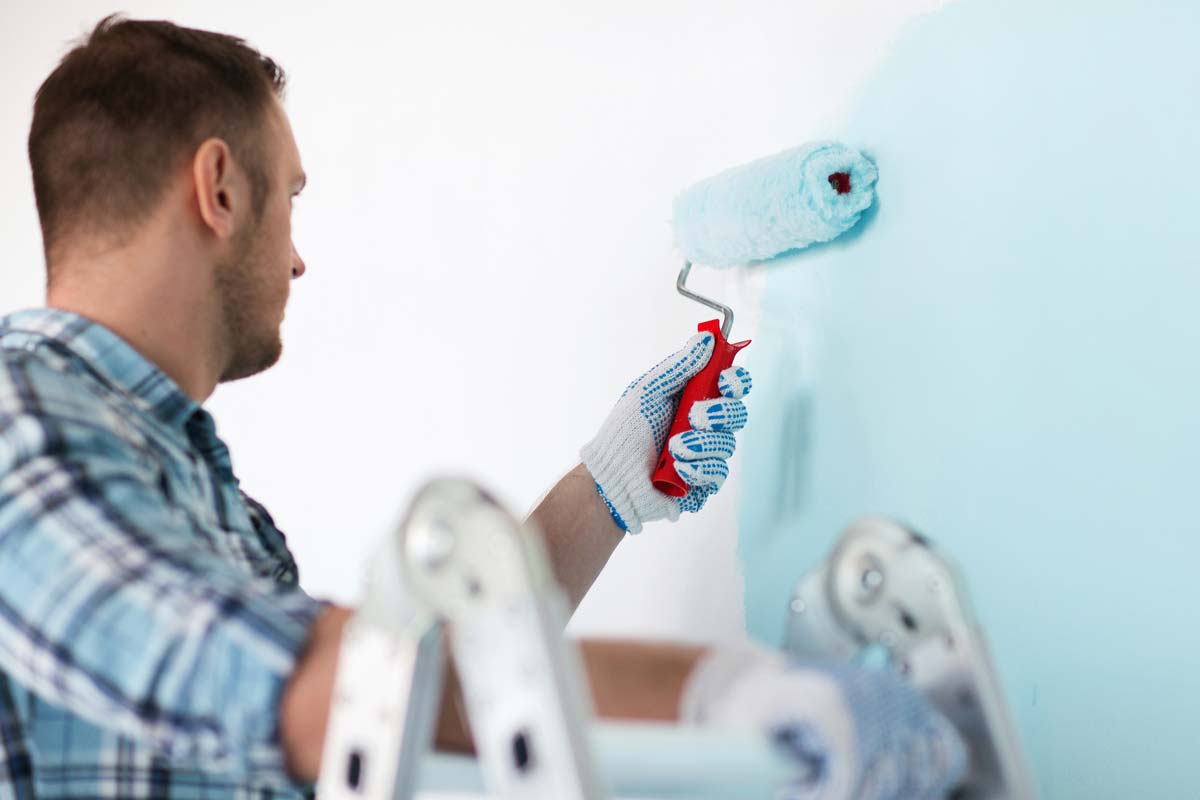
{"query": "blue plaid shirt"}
[(149, 610)]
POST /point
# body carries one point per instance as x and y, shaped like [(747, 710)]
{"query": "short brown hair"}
[(127, 107)]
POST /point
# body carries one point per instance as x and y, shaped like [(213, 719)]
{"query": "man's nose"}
[(297, 263)]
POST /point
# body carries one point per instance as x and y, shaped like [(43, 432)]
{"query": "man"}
[(153, 636)]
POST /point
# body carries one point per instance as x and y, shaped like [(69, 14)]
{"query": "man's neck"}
[(158, 302)]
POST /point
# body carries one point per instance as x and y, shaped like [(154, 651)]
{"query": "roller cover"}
[(812, 193)]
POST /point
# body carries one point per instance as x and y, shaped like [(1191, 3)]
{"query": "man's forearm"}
[(628, 680), (638, 680), (578, 530), (304, 707)]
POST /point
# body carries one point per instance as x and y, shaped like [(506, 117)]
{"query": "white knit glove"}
[(625, 451), (852, 732)]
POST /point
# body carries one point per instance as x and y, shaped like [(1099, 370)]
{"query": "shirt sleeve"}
[(111, 609)]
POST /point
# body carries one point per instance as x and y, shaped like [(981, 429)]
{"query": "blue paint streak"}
[(1009, 358)]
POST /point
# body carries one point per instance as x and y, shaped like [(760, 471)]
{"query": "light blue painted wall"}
[(1007, 355)]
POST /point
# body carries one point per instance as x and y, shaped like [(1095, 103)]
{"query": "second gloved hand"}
[(623, 454), (849, 731)]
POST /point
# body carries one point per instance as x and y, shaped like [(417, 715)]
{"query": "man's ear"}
[(219, 187)]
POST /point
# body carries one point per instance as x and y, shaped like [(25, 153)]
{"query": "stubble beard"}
[(250, 333)]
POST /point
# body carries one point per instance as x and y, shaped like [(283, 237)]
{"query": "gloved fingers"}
[(925, 762), (734, 382), (803, 711), (691, 445), (694, 500), (922, 755), (936, 757), (809, 752), (704, 472), (670, 376), (718, 415)]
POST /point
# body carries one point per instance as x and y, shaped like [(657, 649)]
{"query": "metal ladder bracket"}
[(886, 593)]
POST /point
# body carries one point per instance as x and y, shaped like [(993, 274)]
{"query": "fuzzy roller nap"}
[(812, 193), (809, 194)]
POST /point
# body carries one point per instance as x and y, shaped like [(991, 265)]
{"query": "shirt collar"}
[(107, 355)]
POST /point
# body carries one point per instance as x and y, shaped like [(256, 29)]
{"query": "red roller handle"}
[(702, 386)]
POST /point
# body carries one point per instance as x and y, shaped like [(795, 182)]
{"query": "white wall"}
[(488, 244)]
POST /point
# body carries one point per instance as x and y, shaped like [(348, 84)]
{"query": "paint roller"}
[(754, 212)]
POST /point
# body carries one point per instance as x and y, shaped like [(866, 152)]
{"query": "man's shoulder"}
[(49, 407), (44, 383)]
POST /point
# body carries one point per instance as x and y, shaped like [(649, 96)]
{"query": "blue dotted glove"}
[(623, 454), (850, 731)]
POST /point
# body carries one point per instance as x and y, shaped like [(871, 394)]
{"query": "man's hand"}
[(624, 452), (851, 731)]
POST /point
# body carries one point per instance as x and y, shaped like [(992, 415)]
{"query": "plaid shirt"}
[(149, 611)]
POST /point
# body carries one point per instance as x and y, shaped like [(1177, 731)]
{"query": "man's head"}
[(146, 125)]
